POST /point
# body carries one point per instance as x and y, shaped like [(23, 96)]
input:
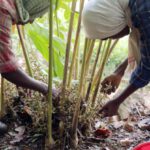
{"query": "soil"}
[(27, 126)]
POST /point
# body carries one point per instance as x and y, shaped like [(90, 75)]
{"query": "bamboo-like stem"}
[(93, 71), (76, 43), (68, 46), (113, 46), (24, 51), (50, 138), (104, 60), (76, 72), (77, 108), (88, 58), (2, 98), (101, 59), (90, 47), (111, 49), (83, 67)]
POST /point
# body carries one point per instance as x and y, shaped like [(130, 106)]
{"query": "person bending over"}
[(18, 12), (104, 19)]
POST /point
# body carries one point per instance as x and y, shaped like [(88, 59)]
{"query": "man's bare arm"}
[(122, 67), (20, 78), (111, 108)]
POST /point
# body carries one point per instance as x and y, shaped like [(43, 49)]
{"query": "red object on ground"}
[(144, 146), (102, 133)]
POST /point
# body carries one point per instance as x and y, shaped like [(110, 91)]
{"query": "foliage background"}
[(36, 40)]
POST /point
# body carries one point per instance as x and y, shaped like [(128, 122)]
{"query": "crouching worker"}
[(104, 19), (18, 12)]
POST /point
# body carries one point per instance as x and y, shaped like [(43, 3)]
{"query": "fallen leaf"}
[(129, 126), (27, 110), (16, 140), (99, 124), (144, 124), (105, 148), (147, 112), (118, 124), (18, 137), (126, 142), (20, 130)]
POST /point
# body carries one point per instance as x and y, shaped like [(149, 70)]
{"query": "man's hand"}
[(111, 83), (110, 109)]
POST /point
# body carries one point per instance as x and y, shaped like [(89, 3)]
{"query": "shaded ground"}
[(27, 126), (126, 133), (119, 140), (23, 132)]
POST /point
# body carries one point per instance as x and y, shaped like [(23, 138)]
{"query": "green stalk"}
[(68, 46), (103, 62), (50, 139), (24, 51), (113, 46), (83, 67), (2, 98), (101, 58), (109, 52), (88, 58), (76, 43), (77, 108), (93, 71), (76, 73)]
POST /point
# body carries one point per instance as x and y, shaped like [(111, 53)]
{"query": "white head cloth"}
[(104, 18)]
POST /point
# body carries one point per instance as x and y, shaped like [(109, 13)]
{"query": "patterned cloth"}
[(8, 15), (13, 12), (31, 9), (140, 10)]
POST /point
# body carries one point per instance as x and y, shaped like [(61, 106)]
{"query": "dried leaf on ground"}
[(126, 142), (18, 137), (144, 124), (129, 126), (118, 124)]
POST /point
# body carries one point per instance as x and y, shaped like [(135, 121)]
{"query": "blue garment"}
[(140, 10)]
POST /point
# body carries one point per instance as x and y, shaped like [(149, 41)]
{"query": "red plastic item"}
[(144, 146)]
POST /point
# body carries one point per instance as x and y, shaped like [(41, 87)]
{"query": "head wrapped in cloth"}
[(104, 18), (31, 9)]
